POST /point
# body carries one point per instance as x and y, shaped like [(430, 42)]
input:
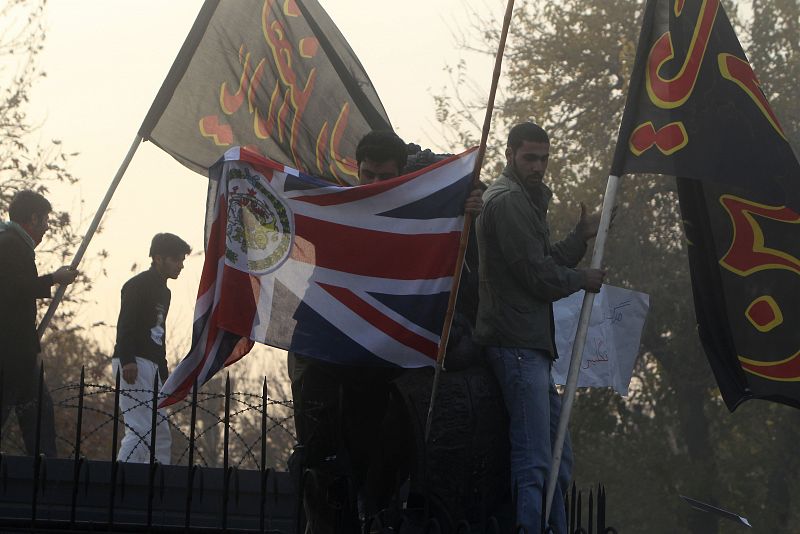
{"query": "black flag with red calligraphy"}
[(274, 76), (695, 110)]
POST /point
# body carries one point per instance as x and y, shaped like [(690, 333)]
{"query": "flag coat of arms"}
[(695, 110), (352, 275)]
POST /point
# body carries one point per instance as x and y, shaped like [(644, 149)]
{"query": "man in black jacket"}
[(140, 351), (20, 286)]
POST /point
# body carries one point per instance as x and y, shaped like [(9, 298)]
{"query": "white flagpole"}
[(580, 340), (51, 310)]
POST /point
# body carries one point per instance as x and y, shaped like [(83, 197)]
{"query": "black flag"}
[(274, 76), (695, 110)]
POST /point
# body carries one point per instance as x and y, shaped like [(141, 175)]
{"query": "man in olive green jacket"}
[(521, 275)]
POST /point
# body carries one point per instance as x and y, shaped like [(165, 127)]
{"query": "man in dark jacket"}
[(521, 275), (140, 352), (20, 286)]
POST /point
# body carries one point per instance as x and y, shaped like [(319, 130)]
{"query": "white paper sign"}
[(612, 344)]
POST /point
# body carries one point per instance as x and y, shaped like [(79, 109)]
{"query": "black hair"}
[(26, 204), (419, 159), (380, 146), (169, 246), (526, 131)]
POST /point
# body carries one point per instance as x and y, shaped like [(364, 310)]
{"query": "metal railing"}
[(23, 480), (203, 493)]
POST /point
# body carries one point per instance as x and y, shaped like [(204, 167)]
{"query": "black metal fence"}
[(234, 493)]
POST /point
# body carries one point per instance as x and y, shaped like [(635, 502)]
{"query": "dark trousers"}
[(20, 393), (344, 421)]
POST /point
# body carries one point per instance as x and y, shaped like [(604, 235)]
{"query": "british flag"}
[(353, 275)]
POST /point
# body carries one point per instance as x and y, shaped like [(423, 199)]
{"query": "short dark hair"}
[(526, 131), (380, 146), (26, 204), (169, 246)]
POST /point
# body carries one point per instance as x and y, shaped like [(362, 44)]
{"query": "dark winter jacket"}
[(20, 286), (521, 272)]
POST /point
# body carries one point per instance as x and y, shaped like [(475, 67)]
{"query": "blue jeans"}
[(534, 407)]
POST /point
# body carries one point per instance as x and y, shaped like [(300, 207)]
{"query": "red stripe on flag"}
[(242, 349), (237, 302), (374, 253), (352, 194), (260, 164), (186, 385), (215, 249), (234, 313), (382, 322)]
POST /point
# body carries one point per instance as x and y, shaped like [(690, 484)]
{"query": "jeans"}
[(534, 407)]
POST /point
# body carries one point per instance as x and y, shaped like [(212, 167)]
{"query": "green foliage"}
[(568, 65)]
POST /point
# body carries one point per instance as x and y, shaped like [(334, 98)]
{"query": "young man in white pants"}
[(140, 351)]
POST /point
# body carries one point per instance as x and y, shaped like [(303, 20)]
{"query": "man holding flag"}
[(351, 402), (20, 287), (356, 278), (521, 275), (342, 405)]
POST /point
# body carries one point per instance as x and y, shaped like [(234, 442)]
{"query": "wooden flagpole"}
[(76, 260), (462, 249), (162, 99)]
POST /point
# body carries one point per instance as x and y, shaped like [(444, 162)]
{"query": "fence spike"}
[(601, 510), (76, 463), (152, 470), (573, 504), (264, 403), (37, 457), (225, 459), (114, 462), (190, 465), (263, 499)]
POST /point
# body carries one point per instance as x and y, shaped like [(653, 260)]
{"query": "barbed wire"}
[(210, 418)]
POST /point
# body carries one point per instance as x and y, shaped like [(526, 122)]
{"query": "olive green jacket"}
[(521, 273)]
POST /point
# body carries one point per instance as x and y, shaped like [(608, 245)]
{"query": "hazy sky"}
[(105, 61)]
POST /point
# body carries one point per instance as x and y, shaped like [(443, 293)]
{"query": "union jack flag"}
[(353, 275)]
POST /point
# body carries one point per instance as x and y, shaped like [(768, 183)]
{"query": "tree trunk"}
[(689, 381)]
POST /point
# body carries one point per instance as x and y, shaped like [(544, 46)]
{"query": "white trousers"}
[(136, 407)]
